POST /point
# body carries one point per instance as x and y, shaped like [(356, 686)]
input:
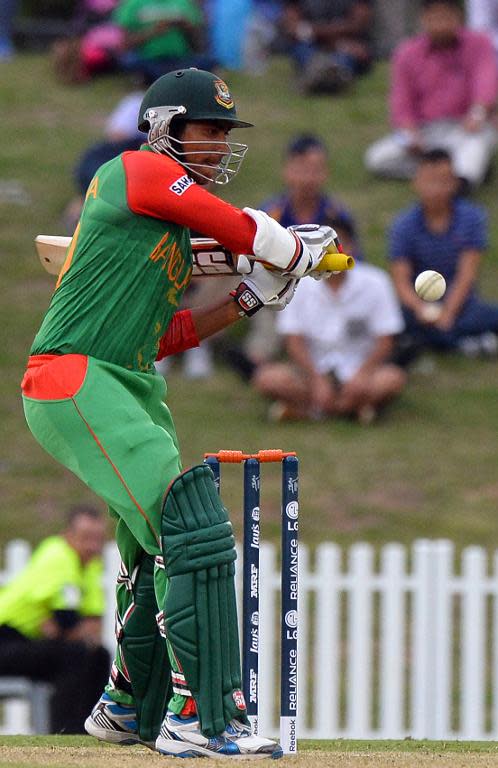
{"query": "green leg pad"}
[(145, 655), (200, 609)]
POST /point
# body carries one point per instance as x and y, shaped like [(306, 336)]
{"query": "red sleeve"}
[(158, 186), (181, 335)]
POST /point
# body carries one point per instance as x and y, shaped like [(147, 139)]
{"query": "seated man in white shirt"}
[(339, 335)]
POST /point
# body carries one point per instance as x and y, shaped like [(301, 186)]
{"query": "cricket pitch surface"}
[(85, 752)]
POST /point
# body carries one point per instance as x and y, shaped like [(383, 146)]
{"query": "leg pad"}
[(145, 655), (200, 609)]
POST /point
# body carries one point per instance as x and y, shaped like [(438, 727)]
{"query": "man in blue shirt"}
[(449, 234), (305, 173)]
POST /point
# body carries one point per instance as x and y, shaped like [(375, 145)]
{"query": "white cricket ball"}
[(430, 285)]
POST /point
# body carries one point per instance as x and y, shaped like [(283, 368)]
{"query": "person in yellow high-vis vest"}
[(50, 619)]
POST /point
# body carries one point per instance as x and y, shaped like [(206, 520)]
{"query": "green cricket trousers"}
[(112, 428)]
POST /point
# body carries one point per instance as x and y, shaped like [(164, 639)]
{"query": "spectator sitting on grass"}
[(51, 619), (449, 234), (160, 35), (262, 36), (444, 85), (329, 41), (92, 45), (339, 337)]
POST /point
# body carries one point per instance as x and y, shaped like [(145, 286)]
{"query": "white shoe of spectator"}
[(489, 344)]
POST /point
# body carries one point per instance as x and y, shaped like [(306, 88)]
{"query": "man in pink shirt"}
[(444, 87)]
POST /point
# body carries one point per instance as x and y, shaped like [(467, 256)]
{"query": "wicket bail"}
[(251, 583)]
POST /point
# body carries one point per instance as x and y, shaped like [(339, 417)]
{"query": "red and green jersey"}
[(130, 259)]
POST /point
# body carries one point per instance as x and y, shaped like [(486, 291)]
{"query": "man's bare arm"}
[(320, 388), (298, 352), (465, 279), (380, 353), (215, 317), (402, 275), (135, 39)]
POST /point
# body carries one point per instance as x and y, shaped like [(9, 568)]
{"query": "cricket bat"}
[(210, 259)]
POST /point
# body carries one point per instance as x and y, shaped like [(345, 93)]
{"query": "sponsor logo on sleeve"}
[(181, 185)]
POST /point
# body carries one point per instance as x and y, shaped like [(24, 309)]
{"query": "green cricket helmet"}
[(190, 95)]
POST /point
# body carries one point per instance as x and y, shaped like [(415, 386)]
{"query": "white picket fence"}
[(392, 643)]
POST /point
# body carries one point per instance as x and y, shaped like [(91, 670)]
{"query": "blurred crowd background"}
[(443, 87), (241, 33), (441, 63)]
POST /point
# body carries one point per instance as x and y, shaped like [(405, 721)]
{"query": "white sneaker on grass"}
[(114, 723), (183, 738)]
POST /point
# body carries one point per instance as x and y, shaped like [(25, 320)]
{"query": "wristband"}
[(246, 299)]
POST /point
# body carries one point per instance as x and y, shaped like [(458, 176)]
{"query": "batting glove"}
[(263, 288), (280, 247), (318, 238)]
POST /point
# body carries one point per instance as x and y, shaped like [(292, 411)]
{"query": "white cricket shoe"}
[(114, 723), (183, 738)]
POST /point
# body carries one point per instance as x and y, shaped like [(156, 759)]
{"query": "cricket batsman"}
[(93, 400)]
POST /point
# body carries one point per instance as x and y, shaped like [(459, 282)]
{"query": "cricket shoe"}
[(183, 737), (114, 723)]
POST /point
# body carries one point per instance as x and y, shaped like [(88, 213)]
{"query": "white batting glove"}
[(263, 288), (280, 247), (318, 238)]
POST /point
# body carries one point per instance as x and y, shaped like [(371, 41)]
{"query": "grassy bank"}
[(428, 469)]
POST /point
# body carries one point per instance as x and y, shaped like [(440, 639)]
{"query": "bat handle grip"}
[(335, 262)]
